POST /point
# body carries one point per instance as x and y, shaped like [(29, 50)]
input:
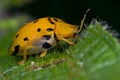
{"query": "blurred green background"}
[(14, 13)]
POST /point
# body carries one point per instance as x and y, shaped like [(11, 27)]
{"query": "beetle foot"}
[(43, 53), (21, 62)]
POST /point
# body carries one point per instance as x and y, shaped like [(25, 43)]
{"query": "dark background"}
[(72, 11)]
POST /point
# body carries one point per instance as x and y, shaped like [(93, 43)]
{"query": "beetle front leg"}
[(69, 42)]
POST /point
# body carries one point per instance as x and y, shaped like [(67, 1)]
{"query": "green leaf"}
[(94, 56)]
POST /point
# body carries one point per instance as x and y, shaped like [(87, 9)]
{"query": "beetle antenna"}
[(82, 21)]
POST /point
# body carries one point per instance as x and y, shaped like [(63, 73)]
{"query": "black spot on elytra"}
[(49, 19), (55, 19), (46, 45), (49, 29), (16, 50), (38, 30), (35, 21), (26, 39), (47, 37), (16, 35)]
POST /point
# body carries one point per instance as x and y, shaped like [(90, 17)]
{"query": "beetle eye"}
[(75, 33)]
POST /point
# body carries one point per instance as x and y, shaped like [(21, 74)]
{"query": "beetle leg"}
[(24, 59), (43, 53), (69, 42)]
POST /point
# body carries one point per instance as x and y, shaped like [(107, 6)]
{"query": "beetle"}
[(41, 34)]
